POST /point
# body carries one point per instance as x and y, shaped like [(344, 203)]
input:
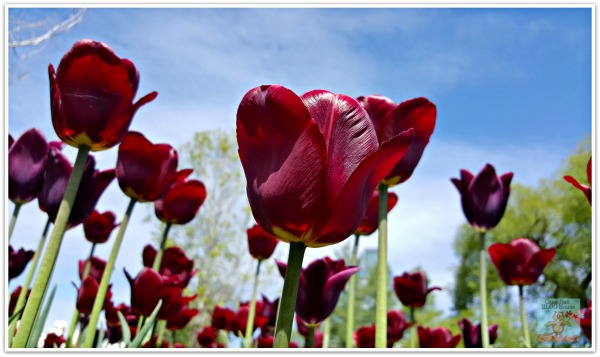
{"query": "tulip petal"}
[(26, 164), (333, 289), (183, 200), (283, 154), (377, 106), (589, 171), (311, 290), (537, 263)]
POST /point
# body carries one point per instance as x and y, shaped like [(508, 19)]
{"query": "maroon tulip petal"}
[(148, 255), (88, 194), (333, 289), (583, 188), (589, 171), (520, 262), (283, 154), (26, 164), (86, 295), (505, 259), (96, 269), (182, 200), (181, 318), (537, 263), (11, 141), (364, 337), (207, 338), (97, 227), (311, 291), (370, 222), (377, 106), (260, 243), (493, 332)]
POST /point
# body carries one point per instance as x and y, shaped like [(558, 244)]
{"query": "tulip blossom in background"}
[(364, 337), (484, 198), (520, 262), (438, 337), (97, 267), (86, 295), (587, 191), (181, 318), (311, 164), (312, 339), (98, 226), (396, 325), (175, 265), (472, 333), (52, 340), (181, 200), (14, 296), (207, 338), (240, 319), (17, 261), (115, 332), (222, 318), (269, 310), (586, 321)]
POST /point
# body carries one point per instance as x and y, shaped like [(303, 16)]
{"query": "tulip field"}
[(319, 167)]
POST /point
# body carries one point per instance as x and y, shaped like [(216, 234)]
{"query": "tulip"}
[(91, 96), (586, 321), (222, 318), (269, 310), (180, 319), (96, 268), (520, 262), (17, 261), (97, 227), (52, 340), (364, 337), (438, 337), (14, 296), (396, 325), (587, 191), (207, 338), (115, 332), (181, 200), (86, 295), (260, 243), (472, 333), (268, 341), (240, 320), (154, 343), (175, 265)]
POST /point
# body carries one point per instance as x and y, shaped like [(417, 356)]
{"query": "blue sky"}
[(512, 87)]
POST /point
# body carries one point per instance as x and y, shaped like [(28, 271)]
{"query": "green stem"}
[(103, 288), (381, 305), (527, 341), (310, 338), (485, 337), (86, 272), (287, 304), (13, 220), (413, 329), (54, 243), (25, 289), (252, 312), (326, 332), (351, 293), (162, 325), (161, 250)]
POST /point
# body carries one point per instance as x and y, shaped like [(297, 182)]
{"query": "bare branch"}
[(36, 40)]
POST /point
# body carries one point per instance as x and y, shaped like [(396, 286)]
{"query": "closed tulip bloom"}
[(96, 269), (586, 321), (370, 222), (144, 170), (26, 165), (587, 191), (396, 325), (92, 185), (321, 284), (181, 200), (222, 318), (174, 265), (472, 333), (148, 288), (269, 310), (86, 294), (260, 243), (53, 340), (240, 321), (438, 337), (207, 338), (17, 261), (390, 118), (181, 318), (98, 226), (483, 197), (412, 289), (311, 162), (265, 342), (520, 262), (364, 337), (91, 96)]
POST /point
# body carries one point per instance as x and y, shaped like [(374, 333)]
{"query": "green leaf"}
[(124, 328), (40, 321), (137, 341), (100, 338), (15, 317)]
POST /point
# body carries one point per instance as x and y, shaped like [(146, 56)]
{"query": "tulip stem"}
[(326, 332), (526, 339), (381, 305), (351, 293), (54, 243), (103, 288), (485, 338), (13, 220), (252, 312), (161, 324), (287, 304), (161, 251), (413, 328), (86, 272), (25, 289), (310, 338)]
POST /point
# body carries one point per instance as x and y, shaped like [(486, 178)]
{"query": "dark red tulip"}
[(52, 340), (11, 141), (93, 183), (96, 269), (586, 321), (91, 96), (144, 170), (437, 337), (520, 262), (149, 287), (181, 200), (240, 321), (311, 162), (174, 264), (396, 325), (222, 318), (483, 197), (97, 227), (180, 319), (207, 338), (321, 284), (364, 337), (86, 295), (115, 333), (370, 222), (17, 261), (472, 333), (265, 342), (14, 296), (269, 310), (412, 289), (390, 119), (26, 165), (587, 191), (261, 244), (152, 343)]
